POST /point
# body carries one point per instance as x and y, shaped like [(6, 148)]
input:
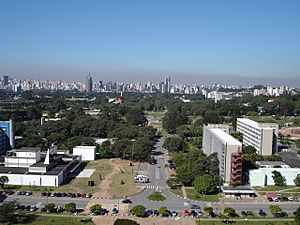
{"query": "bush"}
[(138, 210), (96, 209), (70, 207), (50, 207), (156, 196), (125, 222)]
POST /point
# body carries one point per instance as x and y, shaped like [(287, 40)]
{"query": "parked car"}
[(244, 214), (33, 208), (262, 213), (186, 212), (43, 194), (78, 195), (58, 195), (194, 206), (270, 199), (17, 206), (64, 194), (28, 193), (53, 194), (22, 207), (155, 213), (27, 208), (149, 212), (280, 214), (114, 211), (43, 209), (126, 201), (199, 213), (174, 213)]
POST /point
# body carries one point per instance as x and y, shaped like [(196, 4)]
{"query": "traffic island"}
[(156, 197)]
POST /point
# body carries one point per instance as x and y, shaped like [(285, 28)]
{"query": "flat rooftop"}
[(257, 124), (226, 138), (26, 149), (271, 163), (238, 189)]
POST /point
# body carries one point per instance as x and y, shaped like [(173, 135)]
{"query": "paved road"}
[(39, 201), (157, 174)]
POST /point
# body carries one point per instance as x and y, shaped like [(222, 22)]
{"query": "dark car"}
[(194, 213), (126, 201), (261, 213), (27, 208), (149, 212), (194, 206), (244, 214), (43, 209), (22, 207), (17, 206), (64, 194), (280, 214), (78, 195), (249, 213), (58, 195), (155, 213), (270, 199), (43, 194)]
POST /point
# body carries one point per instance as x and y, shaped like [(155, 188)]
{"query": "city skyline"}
[(195, 42)]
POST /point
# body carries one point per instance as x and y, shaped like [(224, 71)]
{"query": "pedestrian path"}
[(156, 187)]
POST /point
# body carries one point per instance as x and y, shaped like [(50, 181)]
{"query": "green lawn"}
[(177, 191), (245, 222), (192, 194), (273, 188), (51, 220)]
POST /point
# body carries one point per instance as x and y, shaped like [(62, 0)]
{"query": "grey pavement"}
[(157, 174)]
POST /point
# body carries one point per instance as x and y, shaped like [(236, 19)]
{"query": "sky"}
[(246, 41)]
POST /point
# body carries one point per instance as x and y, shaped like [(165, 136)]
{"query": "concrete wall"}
[(34, 179)]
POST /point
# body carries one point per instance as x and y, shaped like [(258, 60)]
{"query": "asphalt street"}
[(157, 174), (39, 201)]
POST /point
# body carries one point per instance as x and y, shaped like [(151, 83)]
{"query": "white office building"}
[(262, 136), (263, 176), (228, 149), (88, 153)]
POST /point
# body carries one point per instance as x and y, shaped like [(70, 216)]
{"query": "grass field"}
[(245, 222), (177, 192), (119, 190), (273, 188), (51, 220), (192, 194)]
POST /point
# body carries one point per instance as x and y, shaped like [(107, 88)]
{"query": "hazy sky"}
[(139, 40)]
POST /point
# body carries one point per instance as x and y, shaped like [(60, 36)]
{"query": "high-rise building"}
[(89, 84), (167, 84), (5, 80), (7, 136), (262, 136), (228, 150)]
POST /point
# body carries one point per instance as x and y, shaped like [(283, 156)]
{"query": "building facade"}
[(7, 136), (229, 153), (89, 84), (263, 176), (262, 136)]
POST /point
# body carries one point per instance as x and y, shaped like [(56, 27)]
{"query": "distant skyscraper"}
[(5, 80), (167, 84), (89, 84)]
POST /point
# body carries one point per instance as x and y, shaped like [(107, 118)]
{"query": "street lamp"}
[(133, 141)]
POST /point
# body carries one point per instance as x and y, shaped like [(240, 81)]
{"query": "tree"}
[(174, 143), (205, 184), (3, 180), (70, 207), (209, 210), (7, 213), (249, 150), (212, 117), (275, 209), (50, 207), (229, 211), (185, 174), (297, 180), (297, 216), (174, 117), (279, 180), (163, 210), (138, 210), (96, 209), (136, 116)]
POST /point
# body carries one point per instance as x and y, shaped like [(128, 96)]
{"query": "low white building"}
[(263, 176), (272, 164), (88, 153), (30, 166)]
